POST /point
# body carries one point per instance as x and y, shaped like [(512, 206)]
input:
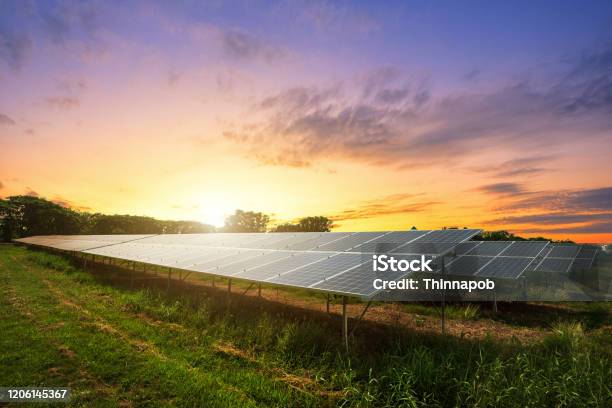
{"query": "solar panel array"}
[(511, 259), (329, 261), (495, 259), (565, 258), (333, 261)]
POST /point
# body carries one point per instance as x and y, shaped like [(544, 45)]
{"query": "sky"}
[(382, 116)]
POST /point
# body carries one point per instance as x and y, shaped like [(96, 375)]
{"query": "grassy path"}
[(123, 358)]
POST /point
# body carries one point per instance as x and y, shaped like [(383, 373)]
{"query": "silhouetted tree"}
[(315, 224), (287, 227), (27, 215), (246, 221), (307, 224)]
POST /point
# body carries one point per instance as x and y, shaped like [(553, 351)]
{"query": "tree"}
[(287, 227), (8, 218), (27, 215), (123, 224), (185, 227), (307, 224), (246, 221), (315, 224)]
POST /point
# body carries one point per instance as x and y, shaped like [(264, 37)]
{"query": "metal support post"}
[(344, 324), (365, 309), (443, 322), (259, 290), (169, 273), (494, 302), (327, 303), (247, 289)]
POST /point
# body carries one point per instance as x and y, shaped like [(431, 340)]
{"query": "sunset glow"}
[(380, 118)]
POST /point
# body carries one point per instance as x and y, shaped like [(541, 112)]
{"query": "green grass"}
[(113, 346)]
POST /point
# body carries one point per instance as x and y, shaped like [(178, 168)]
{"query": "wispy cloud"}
[(63, 102), (393, 204), (31, 193), (14, 47), (241, 45), (591, 200), (386, 120), (69, 204), (602, 227), (5, 120), (563, 212), (523, 166), (503, 189), (326, 15), (66, 20)]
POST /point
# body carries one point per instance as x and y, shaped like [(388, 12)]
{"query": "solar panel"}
[(562, 258), (560, 265), (429, 248), (449, 235), (465, 247), (78, 242), (495, 259), (231, 256), (287, 242), (294, 261), (249, 263), (490, 248), (204, 255), (351, 241), (359, 280), (580, 264), (389, 241), (316, 242), (564, 251), (467, 265), (525, 248), (505, 267), (312, 273), (587, 252)]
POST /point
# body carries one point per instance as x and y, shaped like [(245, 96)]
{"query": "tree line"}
[(22, 216)]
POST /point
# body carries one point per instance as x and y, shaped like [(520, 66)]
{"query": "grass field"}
[(199, 346)]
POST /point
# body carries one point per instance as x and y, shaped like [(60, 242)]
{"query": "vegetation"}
[(507, 236), (246, 221), (22, 216), (307, 224), (199, 346)]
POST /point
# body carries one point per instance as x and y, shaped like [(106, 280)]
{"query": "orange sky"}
[(180, 115)]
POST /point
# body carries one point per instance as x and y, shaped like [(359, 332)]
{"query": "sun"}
[(214, 217)]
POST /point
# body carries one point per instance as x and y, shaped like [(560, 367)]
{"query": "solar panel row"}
[(565, 258), (502, 259), (495, 259), (331, 262)]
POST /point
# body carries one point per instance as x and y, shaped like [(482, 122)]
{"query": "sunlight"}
[(215, 216)]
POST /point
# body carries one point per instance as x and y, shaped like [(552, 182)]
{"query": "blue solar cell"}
[(313, 273), (525, 248), (505, 267), (467, 265)]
